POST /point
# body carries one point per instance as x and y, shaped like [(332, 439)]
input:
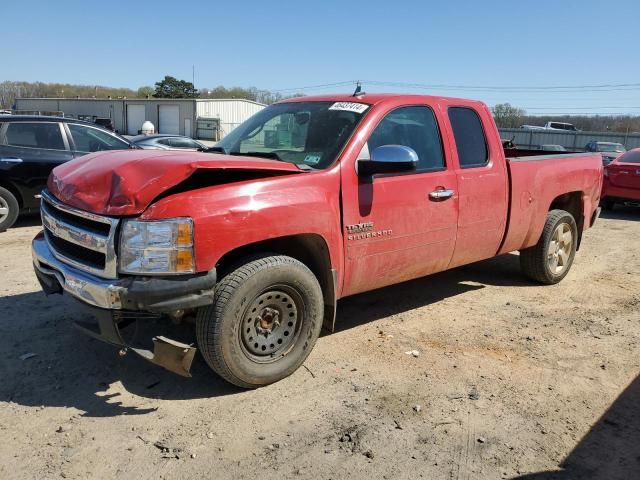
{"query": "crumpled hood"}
[(126, 182)]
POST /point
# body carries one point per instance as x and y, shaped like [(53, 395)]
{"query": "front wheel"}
[(266, 318), (551, 258)]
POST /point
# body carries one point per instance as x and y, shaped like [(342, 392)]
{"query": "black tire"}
[(8, 201), (278, 293), (608, 204), (535, 261)]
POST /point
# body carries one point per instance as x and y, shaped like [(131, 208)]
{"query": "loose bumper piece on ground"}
[(175, 356)]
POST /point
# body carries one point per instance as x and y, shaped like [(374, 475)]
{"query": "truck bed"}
[(522, 152), (539, 181)]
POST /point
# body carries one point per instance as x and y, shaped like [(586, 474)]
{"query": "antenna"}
[(358, 92)]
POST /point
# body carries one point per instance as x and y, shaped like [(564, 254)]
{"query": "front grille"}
[(77, 253), (83, 223), (81, 239)]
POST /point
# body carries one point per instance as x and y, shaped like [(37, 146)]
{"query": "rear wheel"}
[(8, 209), (265, 320), (551, 258)]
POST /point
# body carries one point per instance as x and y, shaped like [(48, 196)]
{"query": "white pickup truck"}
[(567, 127)]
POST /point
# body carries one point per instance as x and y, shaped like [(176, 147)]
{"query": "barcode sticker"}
[(349, 107)]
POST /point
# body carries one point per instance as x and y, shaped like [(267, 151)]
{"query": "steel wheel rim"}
[(4, 209), (271, 323), (560, 248)]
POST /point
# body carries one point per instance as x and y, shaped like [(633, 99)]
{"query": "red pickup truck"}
[(310, 200)]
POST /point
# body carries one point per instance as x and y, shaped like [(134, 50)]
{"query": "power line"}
[(602, 114), (579, 108), (515, 88), (512, 88), (315, 87)]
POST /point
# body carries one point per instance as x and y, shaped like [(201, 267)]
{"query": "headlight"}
[(157, 247)]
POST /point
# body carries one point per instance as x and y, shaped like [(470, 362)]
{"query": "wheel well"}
[(571, 202), (310, 249), (13, 190)]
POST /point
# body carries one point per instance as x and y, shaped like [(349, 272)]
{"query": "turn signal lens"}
[(184, 261), (184, 237)]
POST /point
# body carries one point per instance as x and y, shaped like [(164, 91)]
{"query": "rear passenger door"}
[(482, 185), (32, 150), (397, 227)]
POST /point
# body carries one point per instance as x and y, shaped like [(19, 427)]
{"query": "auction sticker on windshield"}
[(313, 158), (349, 107)]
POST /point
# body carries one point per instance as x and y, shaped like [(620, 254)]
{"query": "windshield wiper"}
[(270, 155), (304, 166)]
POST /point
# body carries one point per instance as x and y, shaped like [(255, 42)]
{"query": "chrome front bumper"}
[(145, 294), (95, 291)]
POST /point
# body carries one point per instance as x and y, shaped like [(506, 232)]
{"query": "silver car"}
[(610, 150), (166, 142)]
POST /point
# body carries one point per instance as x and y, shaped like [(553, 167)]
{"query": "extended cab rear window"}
[(470, 141)]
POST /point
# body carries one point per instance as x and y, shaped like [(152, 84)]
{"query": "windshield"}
[(309, 133), (611, 147)]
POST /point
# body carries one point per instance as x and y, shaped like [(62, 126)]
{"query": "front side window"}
[(89, 139), (311, 133), (414, 127), (35, 135), (469, 136)]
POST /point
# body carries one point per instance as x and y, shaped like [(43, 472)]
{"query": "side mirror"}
[(389, 159)]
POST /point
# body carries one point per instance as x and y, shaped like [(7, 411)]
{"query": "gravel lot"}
[(511, 380)]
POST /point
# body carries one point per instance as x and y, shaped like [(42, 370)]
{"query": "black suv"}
[(30, 147)]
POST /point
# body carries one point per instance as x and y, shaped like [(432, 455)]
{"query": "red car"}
[(309, 201), (622, 180)]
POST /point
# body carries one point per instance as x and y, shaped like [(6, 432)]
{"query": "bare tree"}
[(508, 116)]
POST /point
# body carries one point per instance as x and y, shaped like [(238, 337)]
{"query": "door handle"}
[(442, 194), (11, 160)]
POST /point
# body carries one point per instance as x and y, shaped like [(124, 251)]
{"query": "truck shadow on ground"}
[(610, 450), (71, 369), (367, 307), (622, 212)]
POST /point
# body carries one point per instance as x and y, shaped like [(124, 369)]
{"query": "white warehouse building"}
[(207, 119)]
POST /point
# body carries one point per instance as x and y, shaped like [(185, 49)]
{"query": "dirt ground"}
[(512, 380)]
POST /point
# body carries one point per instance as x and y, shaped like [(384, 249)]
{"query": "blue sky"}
[(287, 44)]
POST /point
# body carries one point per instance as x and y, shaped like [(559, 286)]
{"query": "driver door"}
[(396, 227)]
